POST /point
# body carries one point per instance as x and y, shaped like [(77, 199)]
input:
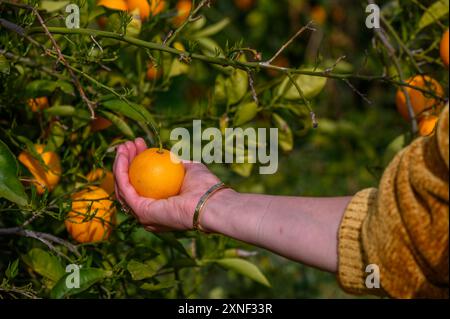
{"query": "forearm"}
[(299, 228)]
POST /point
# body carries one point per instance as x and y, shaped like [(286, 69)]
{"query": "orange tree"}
[(69, 95)]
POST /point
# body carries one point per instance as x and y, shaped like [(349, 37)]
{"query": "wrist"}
[(216, 212)]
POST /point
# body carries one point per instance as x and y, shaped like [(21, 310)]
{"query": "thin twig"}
[(305, 100), (354, 89), (295, 36), (251, 83), (76, 82), (45, 238), (379, 32), (174, 33), (233, 63)]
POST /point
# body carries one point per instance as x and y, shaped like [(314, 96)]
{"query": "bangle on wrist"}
[(201, 203)]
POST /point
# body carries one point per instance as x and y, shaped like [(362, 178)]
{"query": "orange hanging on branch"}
[(46, 170), (91, 217)]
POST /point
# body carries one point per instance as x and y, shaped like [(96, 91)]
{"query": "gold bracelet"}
[(201, 203)]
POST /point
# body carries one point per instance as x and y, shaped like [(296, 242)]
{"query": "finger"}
[(121, 150), (117, 194), (118, 152), (127, 191), (122, 178), (140, 145), (131, 151)]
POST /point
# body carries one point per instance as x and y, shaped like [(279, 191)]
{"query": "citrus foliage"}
[(141, 68)]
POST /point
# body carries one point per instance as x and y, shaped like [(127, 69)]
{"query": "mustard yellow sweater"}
[(403, 226)]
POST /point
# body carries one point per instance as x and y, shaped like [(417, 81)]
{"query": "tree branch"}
[(45, 238)]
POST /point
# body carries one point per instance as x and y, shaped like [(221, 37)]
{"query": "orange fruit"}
[(420, 102), (105, 177), (338, 14), (319, 14), (91, 217), (99, 124), (427, 125), (114, 4), (183, 11), (156, 174), (244, 5), (153, 72), (102, 22), (444, 48), (45, 176), (156, 6), (142, 7), (38, 104)]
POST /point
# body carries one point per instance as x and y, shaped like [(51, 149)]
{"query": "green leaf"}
[(10, 186), (13, 269), (44, 264), (209, 46), (212, 29), (178, 68), (87, 276), (236, 86), (157, 287), (56, 139), (119, 123), (4, 65), (244, 268), (434, 13), (220, 93), (172, 241), (46, 87), (140, 270), (68, 110), (285, 136), (245, 113), (310, 85), (52, 6), (131, 110)]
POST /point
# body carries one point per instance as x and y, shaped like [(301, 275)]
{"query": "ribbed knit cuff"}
[(351, 267)]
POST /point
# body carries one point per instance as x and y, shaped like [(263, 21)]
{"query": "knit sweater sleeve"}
[(401, 227)]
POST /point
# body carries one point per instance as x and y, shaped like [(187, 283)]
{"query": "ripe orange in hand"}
[(154, 174), (45, 176), (105, 177), (427, 125), (183, 11), (444, 48), (420, 102), (38, 104), (91, 217)]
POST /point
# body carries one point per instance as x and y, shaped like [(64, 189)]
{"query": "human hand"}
[(174, 213)]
